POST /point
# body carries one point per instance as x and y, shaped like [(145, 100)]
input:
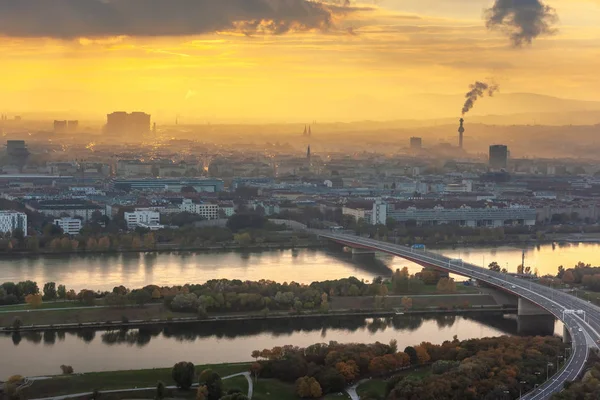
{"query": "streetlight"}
[(558, 362), (548, 370), (521, 388)]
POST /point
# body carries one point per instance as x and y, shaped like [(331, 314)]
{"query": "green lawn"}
[(375, 386), (64, 384), (273, 389), (43, 306), (237, 382)]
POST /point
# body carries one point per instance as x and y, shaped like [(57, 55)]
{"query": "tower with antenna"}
[(461, 131)]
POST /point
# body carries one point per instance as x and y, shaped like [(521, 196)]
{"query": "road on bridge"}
[(583, 328)]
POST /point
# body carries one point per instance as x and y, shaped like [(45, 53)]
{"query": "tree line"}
[(486, 368)]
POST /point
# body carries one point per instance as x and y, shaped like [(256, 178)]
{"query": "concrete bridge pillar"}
[(532, 319), (566, 335), (362, 254)]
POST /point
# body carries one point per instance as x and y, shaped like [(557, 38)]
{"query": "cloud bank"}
[(69, 19)]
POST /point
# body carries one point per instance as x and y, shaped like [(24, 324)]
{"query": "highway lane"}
[(585, 333)]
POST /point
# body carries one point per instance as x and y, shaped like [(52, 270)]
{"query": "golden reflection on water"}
[(305, 266)]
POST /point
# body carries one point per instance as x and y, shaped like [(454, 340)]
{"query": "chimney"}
[(461, 131)]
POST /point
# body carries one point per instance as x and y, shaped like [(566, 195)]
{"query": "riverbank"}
[(311, 244), (61, 385), (111, 319)]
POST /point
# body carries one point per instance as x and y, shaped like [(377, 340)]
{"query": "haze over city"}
[(300, 199)]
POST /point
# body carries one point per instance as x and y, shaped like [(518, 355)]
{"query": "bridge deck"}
[(584, 330)]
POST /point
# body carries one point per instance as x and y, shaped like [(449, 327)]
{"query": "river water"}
[(42, 353), (103, 272), (161, 347)]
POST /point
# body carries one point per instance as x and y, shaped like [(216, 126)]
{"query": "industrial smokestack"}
[(478, 89), (461, 131), (522, 20)]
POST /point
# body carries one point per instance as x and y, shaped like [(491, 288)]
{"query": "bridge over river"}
[(581, 319)]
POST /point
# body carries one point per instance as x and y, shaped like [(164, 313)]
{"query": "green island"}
[(487, 368), (25, 307)]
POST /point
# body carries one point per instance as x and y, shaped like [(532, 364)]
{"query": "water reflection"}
[(158, 346), (190, 332), (103, 272)]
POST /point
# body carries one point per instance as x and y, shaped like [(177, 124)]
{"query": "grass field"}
[(90, 315), (66, 384), (43, 306)]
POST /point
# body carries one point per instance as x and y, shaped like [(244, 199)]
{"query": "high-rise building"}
[(72, 125), (60, 126), (498, 156), (17, 152), (10, 221), (120, 122), (416, 143)]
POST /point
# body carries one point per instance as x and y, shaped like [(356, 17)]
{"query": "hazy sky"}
[(280, 59)]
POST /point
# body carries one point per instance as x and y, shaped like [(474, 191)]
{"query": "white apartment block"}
[(143, 218), (13, 220), (206, 210), (70, 226)]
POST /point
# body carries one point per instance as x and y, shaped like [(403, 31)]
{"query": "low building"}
[(227, 208), (143, 218), (168, 184), (472, 214), (10, 221), (70, 226), (359, 210), (67, 208), (206, 210)]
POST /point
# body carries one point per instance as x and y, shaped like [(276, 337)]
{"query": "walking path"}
[(68, 396), (351, 390)]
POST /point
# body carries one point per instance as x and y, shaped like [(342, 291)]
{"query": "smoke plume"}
[(522, 20), (69, 19), (478, 89)]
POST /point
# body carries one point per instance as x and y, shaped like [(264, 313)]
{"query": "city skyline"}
[(333, 62)]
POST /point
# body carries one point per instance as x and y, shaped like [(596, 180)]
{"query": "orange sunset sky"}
[(363, 60)]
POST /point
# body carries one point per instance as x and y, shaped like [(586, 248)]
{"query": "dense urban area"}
[(203, 188)]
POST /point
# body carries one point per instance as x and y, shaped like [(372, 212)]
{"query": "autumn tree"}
[(422, 354), (202, 393), (407, 302), (34, 300), (308, 388), (446, 285), (568, 277), (520, 269), (213, 384), (349, 370)]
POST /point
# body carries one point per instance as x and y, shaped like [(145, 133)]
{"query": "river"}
[(42, 353), (163, 346), (133, 270)]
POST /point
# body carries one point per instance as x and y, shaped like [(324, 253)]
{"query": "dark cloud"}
[(524, 20), (477, 90), (68, 19)]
